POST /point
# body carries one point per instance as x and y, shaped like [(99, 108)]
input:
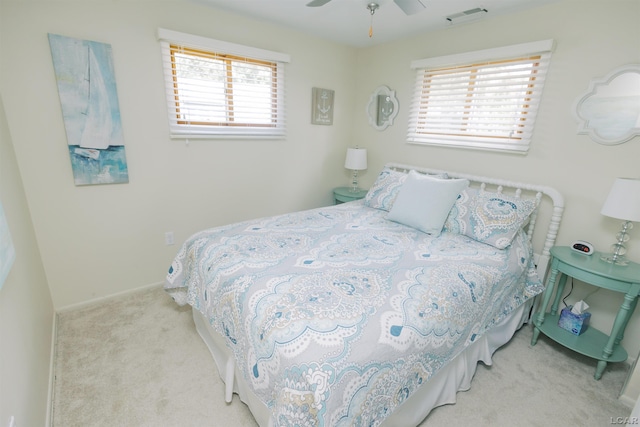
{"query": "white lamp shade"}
[(623, 201), (356, 159)]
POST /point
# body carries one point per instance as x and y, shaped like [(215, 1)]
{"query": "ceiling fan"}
[(409, 7)]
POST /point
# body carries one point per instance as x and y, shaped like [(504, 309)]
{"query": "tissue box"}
[(574, 323)]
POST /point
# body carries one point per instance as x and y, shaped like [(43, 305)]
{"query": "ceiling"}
[(347, 21)]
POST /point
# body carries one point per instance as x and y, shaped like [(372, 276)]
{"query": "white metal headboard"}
[(542, 238)]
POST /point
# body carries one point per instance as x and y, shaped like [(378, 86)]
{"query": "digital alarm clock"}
[(583, 247)]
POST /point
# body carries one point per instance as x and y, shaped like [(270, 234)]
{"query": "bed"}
[(372, 312)]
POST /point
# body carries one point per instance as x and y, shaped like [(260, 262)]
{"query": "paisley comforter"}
[(337, 315)]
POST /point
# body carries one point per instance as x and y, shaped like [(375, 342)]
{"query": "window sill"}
[(475, 146)]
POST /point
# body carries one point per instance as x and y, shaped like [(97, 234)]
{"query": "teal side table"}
[(589, 269), (344, 194)]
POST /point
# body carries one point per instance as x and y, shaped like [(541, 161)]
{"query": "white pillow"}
[(424, 202), (384, 191)]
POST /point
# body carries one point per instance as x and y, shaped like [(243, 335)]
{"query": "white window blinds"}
[(220, 89), (486, 99)]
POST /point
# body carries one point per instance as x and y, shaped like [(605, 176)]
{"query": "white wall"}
[(592, 38), (102, 240), (26, 309)]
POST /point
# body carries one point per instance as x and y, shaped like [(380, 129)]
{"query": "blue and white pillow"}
[(384, 191), (490, 218)]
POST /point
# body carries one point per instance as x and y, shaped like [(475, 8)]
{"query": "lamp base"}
[(354, 183), (615, 259), (618, 249)]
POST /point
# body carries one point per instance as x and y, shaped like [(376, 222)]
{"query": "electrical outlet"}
[(12, 421), (168, 238)]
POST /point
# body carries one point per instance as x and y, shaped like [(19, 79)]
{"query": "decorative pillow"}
[(454, 222), (424, 202), (384, 191), (490, 218)]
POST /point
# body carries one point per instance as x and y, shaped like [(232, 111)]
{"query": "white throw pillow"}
[(424, 202)]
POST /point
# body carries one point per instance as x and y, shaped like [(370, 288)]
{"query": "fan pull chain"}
[(372, 9)]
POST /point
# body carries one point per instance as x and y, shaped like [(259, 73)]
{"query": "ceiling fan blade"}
[(410, 7), (317, 3)]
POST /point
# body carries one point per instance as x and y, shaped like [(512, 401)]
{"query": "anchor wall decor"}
[(322, 106)]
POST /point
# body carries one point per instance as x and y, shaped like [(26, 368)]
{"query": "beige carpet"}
[(137, 360)]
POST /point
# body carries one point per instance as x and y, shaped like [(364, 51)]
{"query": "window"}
[(486, 99), (220, 89)]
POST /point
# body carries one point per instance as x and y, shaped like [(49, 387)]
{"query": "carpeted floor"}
[(137, 360)]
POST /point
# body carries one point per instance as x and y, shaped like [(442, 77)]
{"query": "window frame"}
[(174, 43), (524, 113)]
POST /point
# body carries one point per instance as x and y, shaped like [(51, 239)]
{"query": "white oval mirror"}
[(382, 108), (610, 110)]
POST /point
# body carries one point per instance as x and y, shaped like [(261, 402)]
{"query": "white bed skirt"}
[(439, 390)]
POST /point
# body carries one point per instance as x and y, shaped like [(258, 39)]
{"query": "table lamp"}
[(356, 161), (623, 202)]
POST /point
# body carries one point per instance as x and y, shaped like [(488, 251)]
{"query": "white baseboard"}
[(627, 401), (52, 371), (629, 392), (107, 298)]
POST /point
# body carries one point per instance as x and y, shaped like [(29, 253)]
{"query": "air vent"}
[(467, 15)]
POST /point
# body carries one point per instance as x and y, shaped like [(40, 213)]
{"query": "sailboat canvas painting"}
[(90, 109), (7, 251)]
